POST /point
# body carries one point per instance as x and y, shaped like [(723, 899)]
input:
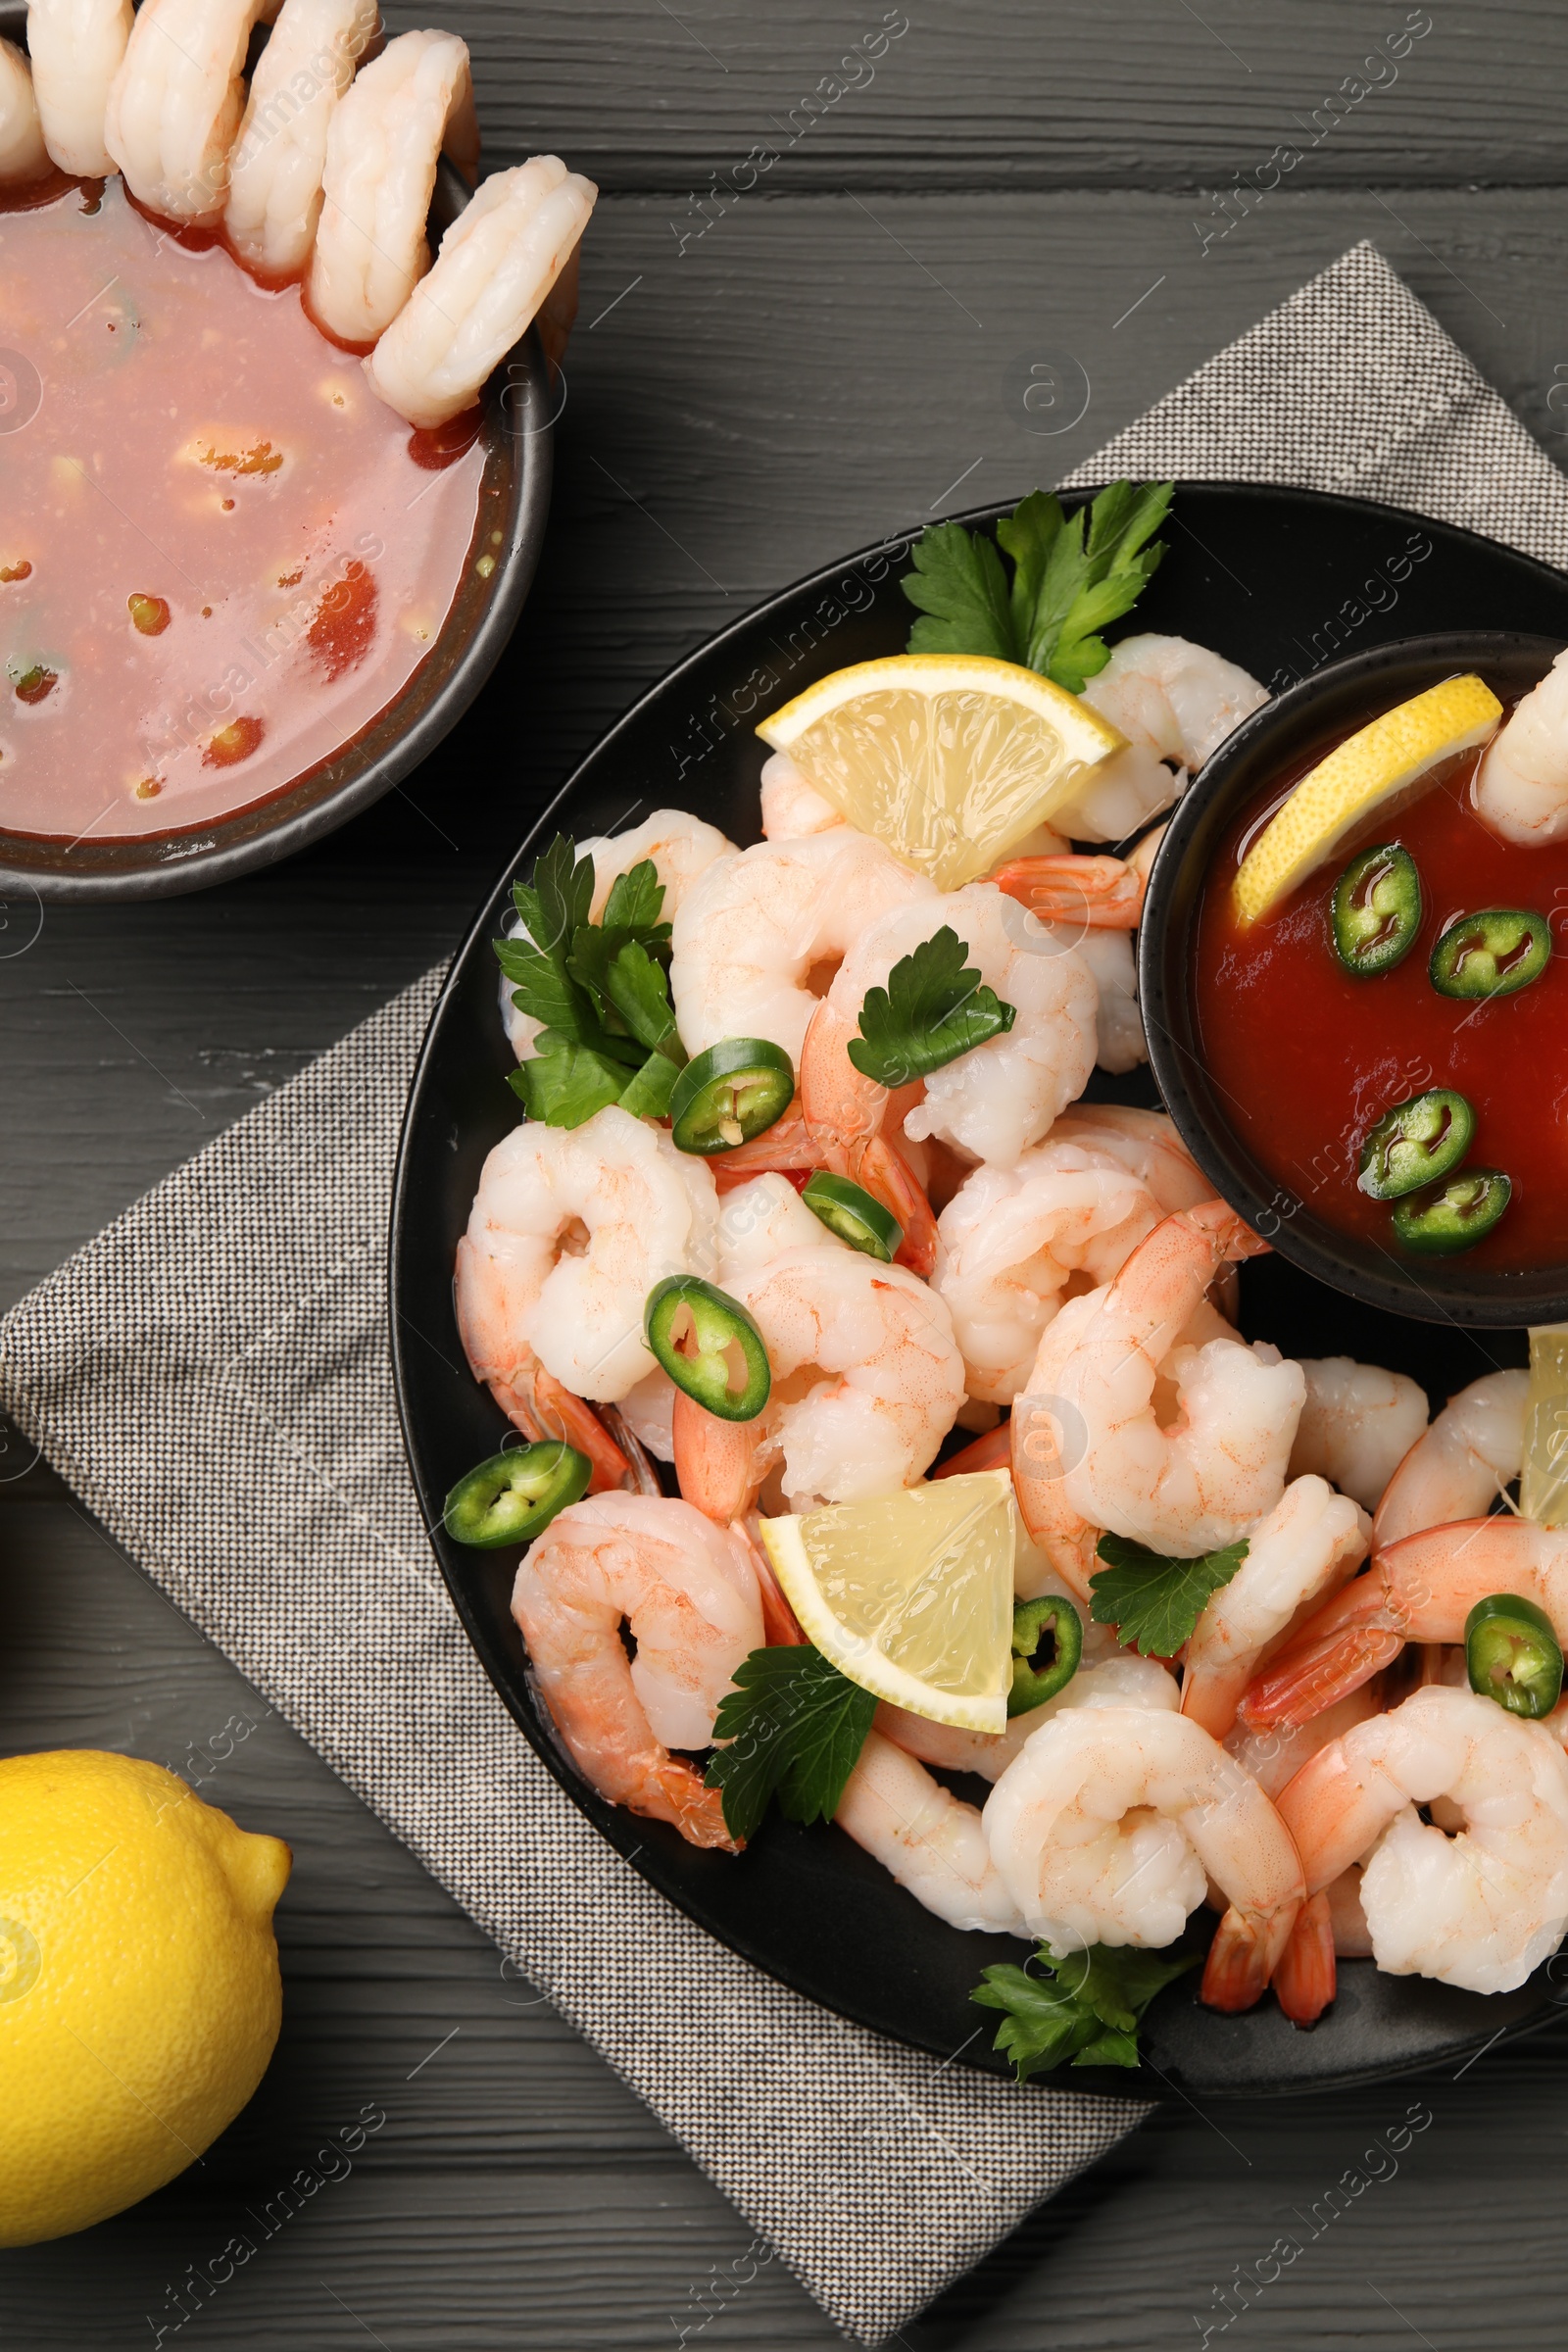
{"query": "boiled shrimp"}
[(23, 156), (383, 142), (687, 1593), (495, 270), (1459, 1467), (1109, 1826), (1121, 1044), (1420, 1589), (274, 186), (1012, 1240), (1145, 1142), (76, 47), (761, 934), (1001, 1097), (792, 807), (1358, 1425), (1174, 701), (174, 104), (758, 1221), (1480, 1908), (1306, 1546), (930, 1840), (1122, 1679), (570, 1229), (680, 846), (866, 1381), (1089, 1449), (1521, 785)]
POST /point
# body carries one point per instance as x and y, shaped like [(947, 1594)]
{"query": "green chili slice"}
[(1416, 1142), (734, 1091), (851, 1213), (1493, 953), (1462, 1212), (1052, 1619), (709, 1345), (1513, 1656), (1377, 910), (512, 1497)]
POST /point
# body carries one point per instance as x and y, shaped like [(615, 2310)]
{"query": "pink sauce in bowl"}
[(221, 559)]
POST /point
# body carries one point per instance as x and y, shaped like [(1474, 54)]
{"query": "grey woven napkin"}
[(211, 1376)]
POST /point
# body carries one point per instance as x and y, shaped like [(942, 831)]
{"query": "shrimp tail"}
[(889, 1178), (992, 1451), (1232, 1238), (1106, 894), (696, 1811), (1305, 1979), (780, 1624), (542, 1407), (1243, 1955), (716, 1461), (1350, 1639)]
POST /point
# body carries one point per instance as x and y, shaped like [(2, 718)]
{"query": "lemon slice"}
[(1543, 1481), (946, 758), (1367, 768), (911, 1595)]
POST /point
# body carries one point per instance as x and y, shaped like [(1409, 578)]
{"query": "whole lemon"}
[(139, 1989)]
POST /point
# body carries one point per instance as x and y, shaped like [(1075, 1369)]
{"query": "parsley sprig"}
[(931, 1010), (796, 1727), (1085, 2006), (601, 991), (1153, 1601), (1072, 575)]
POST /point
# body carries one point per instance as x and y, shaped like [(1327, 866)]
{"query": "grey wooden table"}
[(763, 375)]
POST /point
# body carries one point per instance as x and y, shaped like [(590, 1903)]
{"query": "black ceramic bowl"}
[(518, 403), (1289, 732)]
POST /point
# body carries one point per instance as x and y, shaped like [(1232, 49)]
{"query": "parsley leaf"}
[(648, 1097), (635, 904), (796, 1727), (1153, 1601), (1072, 576), (557, 902), (639, 989), (932, 1010), (564, 1083), (1085, 2007)]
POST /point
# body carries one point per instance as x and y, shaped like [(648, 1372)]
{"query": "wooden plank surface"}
[(836, 358)]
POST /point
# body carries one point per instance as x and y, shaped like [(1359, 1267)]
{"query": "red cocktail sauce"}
[(1305, 1058)]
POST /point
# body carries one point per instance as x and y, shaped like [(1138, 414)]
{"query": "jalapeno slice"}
[(1462, 1212), (734, 1091), (852, 1212), (1493, 953), (512, 1497), (1377, 910), (709, 1345), (1052, 1619), (1512, 1654), (1416, 1142)]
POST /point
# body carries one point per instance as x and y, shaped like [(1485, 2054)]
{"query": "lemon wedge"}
[(949, 759), (1369, 767), (911, 1595), (1543, 1479)]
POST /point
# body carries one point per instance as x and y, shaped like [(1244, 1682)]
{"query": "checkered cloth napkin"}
[(210, 1376)]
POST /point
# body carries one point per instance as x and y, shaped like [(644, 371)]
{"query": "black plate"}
[(1276, 579)]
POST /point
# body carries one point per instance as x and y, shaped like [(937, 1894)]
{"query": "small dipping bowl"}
[(520, 404), (1280, 742)]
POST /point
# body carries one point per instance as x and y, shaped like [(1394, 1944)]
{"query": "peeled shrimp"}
[(497, 265), (1001, 1097), (1145, 1142), (760, 1221), (930, 1840), (756, 929), (76, 47), (1119, 1040), (687, 1591), (383, 142), (1089, 1450), (274, 187), (791, 806), (23, 153), (1306, 1546), (1420, 1589), (867, 1382), (1109, 1825), (680, 847), (1521, 786), (1011, 1239), (1358, 1425), (1173, 701), (648, 1411), (1459, 1467), (570, 1229), (174, 104), (1122, 1679), (1480, 1908), (1274, 1758)]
